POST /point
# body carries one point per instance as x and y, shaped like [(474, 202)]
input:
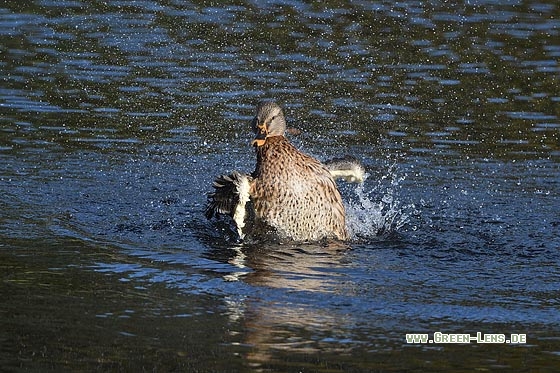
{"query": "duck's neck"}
[(263, 150)]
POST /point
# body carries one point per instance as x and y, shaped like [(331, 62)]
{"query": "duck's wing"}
[(348, 168), (230, 197)]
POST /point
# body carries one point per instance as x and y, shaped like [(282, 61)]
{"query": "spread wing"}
[(230, 197), (348, 168), (225, 197)]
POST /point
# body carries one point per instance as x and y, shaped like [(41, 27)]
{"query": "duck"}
[(290, 194)]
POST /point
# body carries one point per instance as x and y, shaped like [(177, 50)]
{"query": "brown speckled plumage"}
[(296, 194), (289, 191)]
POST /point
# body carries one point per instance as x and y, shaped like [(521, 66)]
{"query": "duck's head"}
[(269, 121)]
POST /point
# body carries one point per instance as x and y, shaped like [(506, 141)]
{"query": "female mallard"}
[(289, 192)]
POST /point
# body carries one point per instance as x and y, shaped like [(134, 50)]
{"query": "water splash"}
[(377, 211)]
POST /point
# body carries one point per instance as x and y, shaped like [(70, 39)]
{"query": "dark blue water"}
[(116, 117)]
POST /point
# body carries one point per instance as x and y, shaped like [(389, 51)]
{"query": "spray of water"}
[(375, 210)]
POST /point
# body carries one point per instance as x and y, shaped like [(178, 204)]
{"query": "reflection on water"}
[(116, 116)]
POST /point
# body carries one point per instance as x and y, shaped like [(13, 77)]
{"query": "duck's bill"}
[(262, 133), (258, 142)]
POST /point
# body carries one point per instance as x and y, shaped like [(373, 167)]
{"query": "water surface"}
[(116, 116)]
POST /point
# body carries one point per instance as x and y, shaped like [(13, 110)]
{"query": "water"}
[(116, 116)]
